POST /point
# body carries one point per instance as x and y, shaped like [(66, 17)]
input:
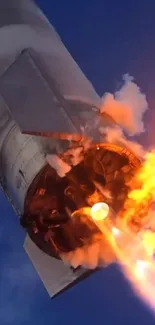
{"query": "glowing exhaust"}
[(99, 211), (116, 232), (141, 266)]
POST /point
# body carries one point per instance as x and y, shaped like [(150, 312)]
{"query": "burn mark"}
[(21, 173)]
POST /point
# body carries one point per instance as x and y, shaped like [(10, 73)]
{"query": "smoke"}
[(115, 135), (61, 167), (74, 155), (71, 157), (127, 106), (98, 253)]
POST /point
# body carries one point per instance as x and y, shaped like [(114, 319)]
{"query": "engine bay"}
[(51, 215)]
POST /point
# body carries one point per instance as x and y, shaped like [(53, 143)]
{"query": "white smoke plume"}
[(115, 135), (127, 106), (96, 254), (61, 167), (74, 155)]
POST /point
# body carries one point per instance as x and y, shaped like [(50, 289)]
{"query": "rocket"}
[(46, 103)]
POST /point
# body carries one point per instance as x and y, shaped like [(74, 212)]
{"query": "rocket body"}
[(42, 92), (44, 99)]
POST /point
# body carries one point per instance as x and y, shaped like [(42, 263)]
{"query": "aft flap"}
[(31, 101)]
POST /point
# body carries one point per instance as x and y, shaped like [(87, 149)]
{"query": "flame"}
[(116, 232), (137, 207), (94, 198), (135, 250), (149, 242), (138, 215), (136, 264), (140, 268)]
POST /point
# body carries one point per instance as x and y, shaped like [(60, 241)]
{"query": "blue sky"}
[(108, 39)]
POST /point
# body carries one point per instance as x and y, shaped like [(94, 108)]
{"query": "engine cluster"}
[(49, 216)]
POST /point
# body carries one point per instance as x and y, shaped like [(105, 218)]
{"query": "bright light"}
[(148, 239), (116, 232), (141, 266), (99, 211)]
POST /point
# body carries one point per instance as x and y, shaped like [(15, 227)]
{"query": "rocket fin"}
[(33, 104), (55, 275), (38, 106)]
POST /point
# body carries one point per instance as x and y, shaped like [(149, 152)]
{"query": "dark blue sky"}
[(108, 39)]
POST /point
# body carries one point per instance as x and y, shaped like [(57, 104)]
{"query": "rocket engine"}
[(48, 107), (51, 200)]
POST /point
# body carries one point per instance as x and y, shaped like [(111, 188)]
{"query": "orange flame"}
[(135, 252), (137, 208)]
